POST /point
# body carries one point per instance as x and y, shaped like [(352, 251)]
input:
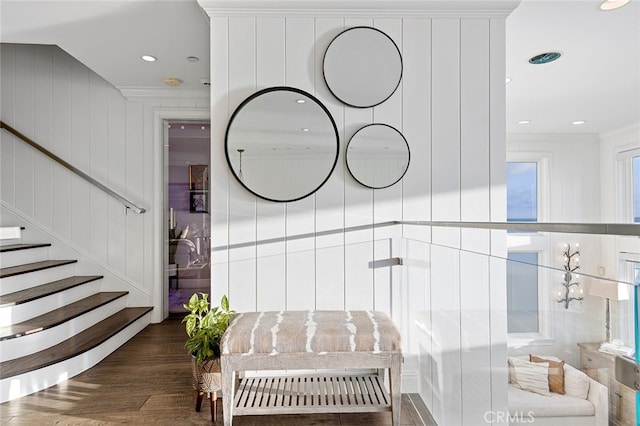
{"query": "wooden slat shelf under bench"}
[(311, 394)]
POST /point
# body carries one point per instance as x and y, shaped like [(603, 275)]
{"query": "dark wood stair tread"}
[(76, 345), (32, 267), (16, 247), (34, 293), (60, 315)]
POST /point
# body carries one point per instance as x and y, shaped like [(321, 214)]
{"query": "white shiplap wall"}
[(450, 304), (70, 110)]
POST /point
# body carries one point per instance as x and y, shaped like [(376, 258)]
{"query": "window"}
[(526, 298), (522, 293), (522, 192), (636, 189)]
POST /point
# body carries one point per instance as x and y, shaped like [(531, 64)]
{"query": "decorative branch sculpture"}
[(567, 283)]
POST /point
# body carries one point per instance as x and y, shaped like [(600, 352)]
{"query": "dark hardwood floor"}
[(148, 381)]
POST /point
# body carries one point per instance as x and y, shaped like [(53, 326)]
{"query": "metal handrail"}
[(619, 229), (128, 204)]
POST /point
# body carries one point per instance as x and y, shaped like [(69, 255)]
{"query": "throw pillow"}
[(556, 373), (531, 376), (576, 383)]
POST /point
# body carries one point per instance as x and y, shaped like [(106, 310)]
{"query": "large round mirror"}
[(362, 67), (377, 156), (282, 144)]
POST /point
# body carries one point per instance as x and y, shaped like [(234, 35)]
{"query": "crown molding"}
[(629, 133), (362, 8), (141, 93)]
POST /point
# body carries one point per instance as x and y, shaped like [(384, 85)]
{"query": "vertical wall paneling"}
[(474, 204), (7, 105), (358, 210), (358, 276), (300, 71), (81, 154), (388, 201), (61, 144), (219, 171), (415, 293), (329, 200), (382, 275), (474, 136), (416, 125), (134, 131), (445, 116), (242, 206), (445, 326), (475, 339), (99, 155), (24, 107), (43, 106), (117, 177), (270, 217), (270, 52), (330, 277), (497, 170)]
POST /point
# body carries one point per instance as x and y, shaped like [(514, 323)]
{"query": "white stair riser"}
[(32, 279), (18, 313), (10, 233), (26, 345), (19, 257), (25, 384)]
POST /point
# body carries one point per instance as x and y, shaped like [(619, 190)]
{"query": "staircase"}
[(54, 324)]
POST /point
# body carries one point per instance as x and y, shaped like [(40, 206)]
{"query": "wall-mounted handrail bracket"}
[(128, 204)]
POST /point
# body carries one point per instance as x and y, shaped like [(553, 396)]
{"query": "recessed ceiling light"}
[(544, 58), (524, 121), (203, 127), (578, 122), (149, 58), (507, 80), (305, 129), (300, 101), (182, 127), (193, 58), (612, 4)]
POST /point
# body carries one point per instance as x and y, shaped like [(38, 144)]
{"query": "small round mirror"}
[(282, 144), (362, 67), (377, 156)]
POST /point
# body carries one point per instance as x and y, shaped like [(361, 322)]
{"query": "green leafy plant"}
[(205, 326)]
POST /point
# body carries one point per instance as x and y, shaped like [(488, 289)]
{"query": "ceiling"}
[(597, 79)]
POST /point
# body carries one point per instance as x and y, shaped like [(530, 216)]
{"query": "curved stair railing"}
[(128, 204)]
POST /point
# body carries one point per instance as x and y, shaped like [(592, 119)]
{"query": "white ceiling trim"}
[(147, 93), (361, 8)]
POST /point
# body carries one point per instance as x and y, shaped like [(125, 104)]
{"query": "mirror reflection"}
[(362, 67), (377, 156), (282, 144)]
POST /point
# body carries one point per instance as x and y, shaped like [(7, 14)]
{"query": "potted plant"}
[(205, 326)]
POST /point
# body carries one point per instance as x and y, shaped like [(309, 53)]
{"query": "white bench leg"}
[(227, 390), (395, 382)]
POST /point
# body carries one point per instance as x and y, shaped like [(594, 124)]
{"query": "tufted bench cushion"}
[(311, 332)]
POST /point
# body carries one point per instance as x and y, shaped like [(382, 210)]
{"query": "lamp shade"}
[(609, 290)]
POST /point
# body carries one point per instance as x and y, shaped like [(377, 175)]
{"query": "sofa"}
[(584, 402)]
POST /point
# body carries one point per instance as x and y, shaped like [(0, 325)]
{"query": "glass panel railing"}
[(565, 304)]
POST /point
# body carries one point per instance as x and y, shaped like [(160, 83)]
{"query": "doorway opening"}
[(188, 269)]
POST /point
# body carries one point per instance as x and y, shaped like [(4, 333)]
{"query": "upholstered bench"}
[(311, 340)]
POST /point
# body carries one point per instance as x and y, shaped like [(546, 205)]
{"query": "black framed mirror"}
[(362, 67), (378, 156), (282, 144)]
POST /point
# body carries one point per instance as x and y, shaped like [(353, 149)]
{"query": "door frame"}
[(160, 291)]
